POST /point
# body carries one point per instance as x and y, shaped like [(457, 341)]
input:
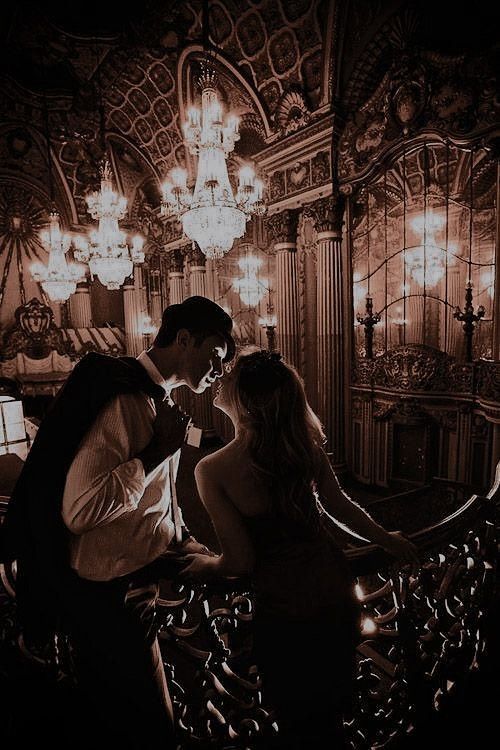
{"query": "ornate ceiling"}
[(272, 58), (284, 66)]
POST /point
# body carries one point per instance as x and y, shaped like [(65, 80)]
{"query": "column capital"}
[(196, 257), (128, 283), (327, 214), (83, 287), (176, 258), (282, 227), (290, 247)]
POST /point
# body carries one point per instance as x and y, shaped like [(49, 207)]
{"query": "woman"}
[(261, 491)]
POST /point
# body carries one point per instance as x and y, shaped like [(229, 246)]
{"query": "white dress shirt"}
[(119, 519)]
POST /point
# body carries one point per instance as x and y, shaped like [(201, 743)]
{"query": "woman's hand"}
[(402, 548), (192, 546), (200, 567)]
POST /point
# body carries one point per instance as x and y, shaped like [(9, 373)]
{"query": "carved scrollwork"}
[(416, 367), (176, 258), (363, 371), (422, 90), (405, 411), (277, 187), (196, 257), (34, 333), (282, 227), (292, 112), (488, 381), (480, 426), (327, 213), (173, 230)]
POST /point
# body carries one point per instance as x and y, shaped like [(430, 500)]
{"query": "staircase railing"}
[(423, 632)]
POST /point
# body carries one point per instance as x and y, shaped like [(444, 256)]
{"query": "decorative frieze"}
[(415, 367), (420, 91)]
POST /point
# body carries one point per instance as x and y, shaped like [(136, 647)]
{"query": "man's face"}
[(204, 362)]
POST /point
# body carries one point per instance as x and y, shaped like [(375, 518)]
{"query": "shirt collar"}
[(153, 372)]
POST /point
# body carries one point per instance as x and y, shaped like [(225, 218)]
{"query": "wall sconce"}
[(148, 329), (12, 430), (400, 324), (268, 323), (469, 318), (368, 320)]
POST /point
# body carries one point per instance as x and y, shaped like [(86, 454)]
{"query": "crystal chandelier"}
[(426, 263), (212, 215), (58, 278), (106, 250), (250, 288)]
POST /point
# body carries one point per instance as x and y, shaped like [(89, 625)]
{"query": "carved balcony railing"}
[(423, 634)]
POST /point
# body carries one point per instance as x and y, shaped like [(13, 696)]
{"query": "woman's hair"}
[(281, 432)]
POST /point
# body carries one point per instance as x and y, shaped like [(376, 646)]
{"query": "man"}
[(108, 455)]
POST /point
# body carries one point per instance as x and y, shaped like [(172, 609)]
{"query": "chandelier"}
[(426, 263), (250, 288), (212, 215), (58, 278), (107, 252)]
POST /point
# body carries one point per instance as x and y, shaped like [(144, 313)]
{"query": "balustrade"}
[(423, 633)]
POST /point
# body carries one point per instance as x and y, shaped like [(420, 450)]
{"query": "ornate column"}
[(282, 229), (350, 330), (212, 279), (176, 277), (197, 272), (306, 263), (134, 307), (79, 305), (327, 214), (198, 285), (155, 295)]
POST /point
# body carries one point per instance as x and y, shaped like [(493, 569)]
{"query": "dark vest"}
[(33, 532)]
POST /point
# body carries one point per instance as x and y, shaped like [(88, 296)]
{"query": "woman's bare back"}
[(232, 466)]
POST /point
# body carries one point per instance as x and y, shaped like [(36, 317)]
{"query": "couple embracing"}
[(93, 522)]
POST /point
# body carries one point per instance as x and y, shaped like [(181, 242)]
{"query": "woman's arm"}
[(337, 504), (237, 556)]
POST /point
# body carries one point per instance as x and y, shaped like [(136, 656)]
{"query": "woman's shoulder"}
[(215, 462)]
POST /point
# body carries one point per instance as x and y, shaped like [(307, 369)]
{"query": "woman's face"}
[(221, 400)]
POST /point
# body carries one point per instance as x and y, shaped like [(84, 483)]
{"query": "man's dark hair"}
[(201, 317)]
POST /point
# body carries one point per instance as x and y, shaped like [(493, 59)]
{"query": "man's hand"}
[(200, 567), (169, 432), (192, 546)]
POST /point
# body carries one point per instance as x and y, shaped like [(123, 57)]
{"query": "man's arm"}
[(105, 480)]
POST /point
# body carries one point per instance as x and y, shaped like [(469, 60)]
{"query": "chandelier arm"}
[(100, 108), (49, 152), (205, 27)]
